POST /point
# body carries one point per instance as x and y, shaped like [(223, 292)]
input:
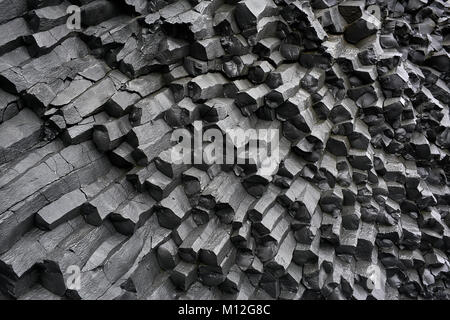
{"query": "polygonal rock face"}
[(224, 149)]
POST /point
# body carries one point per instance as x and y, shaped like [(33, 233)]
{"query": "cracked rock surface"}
[(357, 207)]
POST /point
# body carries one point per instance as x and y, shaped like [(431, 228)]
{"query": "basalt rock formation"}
[(356, 207)]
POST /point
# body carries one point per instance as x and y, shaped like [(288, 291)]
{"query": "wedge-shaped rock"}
[(109, 135), (206, 86), (46, 18), (131, 215), (157, 140), (159, 185), (170, 162), (249, 12), (183, 113), (152, 107), (281, 262), (12, 33), (307, 253), (184, 275), (190, 248), (174, 209), (90, 102), (216, 275), (43, 42), (216, 247), (260, 207), (61, 210), (194, 181), (99, 208), (168, 255), (19, 134), (252, 99)]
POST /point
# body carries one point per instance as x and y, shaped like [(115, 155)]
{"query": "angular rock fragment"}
[(173, 210), (19, 134), (131, 215), (99, 208), (63, 209), (12, 34)]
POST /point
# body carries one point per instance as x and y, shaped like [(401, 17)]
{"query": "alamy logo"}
[(375, 11), (73, 281), (258, 147), (74, 19), (374, 278)]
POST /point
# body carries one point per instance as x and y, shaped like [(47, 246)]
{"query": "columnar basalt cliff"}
[(356, 207)]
